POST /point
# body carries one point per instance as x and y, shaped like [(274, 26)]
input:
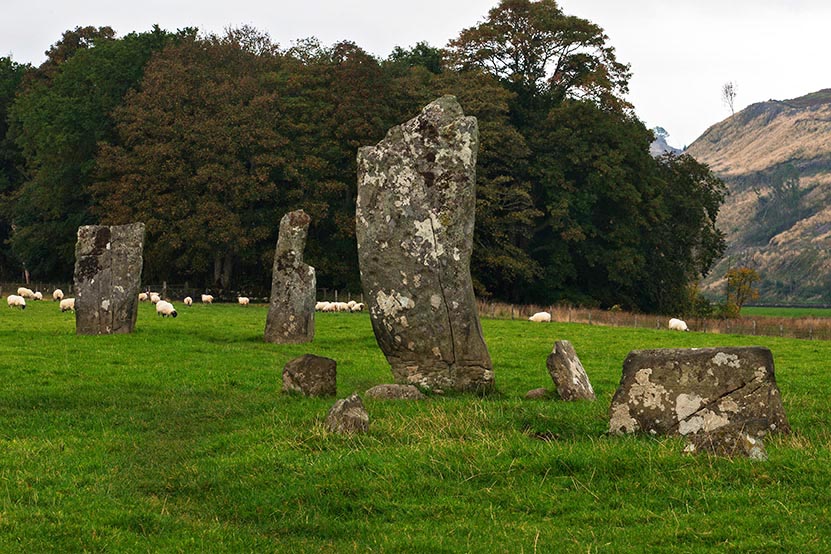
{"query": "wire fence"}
[(811, 328)]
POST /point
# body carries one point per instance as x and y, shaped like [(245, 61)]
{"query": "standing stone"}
[(415, 219), (291, 315), (687, 391), (108, 264), (568, 374), (311, 375), (348, 415)]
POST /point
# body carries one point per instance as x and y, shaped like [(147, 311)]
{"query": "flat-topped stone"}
[(108, 262), (698, 390)]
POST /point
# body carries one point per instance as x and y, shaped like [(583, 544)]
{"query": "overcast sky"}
[(681, 52)]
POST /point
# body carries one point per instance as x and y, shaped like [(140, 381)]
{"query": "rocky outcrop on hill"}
[(775, 157)]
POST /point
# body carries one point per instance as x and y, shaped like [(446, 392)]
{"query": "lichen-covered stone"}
[(395, 392), (730, 441), (698, 390), (414, 225), (291, 313), (568, 374), (108, 261), (348, 415), (311, 375)]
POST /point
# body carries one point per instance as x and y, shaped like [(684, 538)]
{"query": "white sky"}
[(681, 52)]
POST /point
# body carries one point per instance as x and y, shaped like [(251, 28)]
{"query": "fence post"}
[(512, 311), (590, 318), (164, 289), (781, 330), (754, 327), (336, 295), (811, 332)]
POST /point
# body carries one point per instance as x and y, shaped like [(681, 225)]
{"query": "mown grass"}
[(177, 439), (750, 311)]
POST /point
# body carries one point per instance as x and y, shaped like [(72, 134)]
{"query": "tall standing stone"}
[(291, 315), (108, 264), (415, 218)]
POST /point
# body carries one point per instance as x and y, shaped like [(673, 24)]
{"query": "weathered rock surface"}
[(568, 374), (348, 415), (730, 441), (108, 262), (291, 313), (536, 394), (698, 390), (415, 219), (311, 375), (395, 392)]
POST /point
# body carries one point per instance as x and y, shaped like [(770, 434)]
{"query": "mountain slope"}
[(775, 157)]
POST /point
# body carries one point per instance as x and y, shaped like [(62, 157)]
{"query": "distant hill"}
[(659, 146), (775, 157)]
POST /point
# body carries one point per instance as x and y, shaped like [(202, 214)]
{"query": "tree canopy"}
[(210, 139)]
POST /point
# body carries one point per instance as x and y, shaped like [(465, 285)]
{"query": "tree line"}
[(210, 139)]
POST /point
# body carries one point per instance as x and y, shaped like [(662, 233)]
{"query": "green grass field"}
[(177, 439), (785, 312)]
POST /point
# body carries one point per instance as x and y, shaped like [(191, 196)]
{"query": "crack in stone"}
[(709, 405), (444, 298)]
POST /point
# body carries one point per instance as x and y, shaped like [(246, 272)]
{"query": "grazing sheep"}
[(38, 295), (243, 300), (207, 299), (541, 317), (358, 307), (155, 298), (26, 293), (165, 308), (322, 306), (143, 297), (187, 301), (351, 305), (16, 301), (68, 304), (57, 295), (341, 306), (677, 325)]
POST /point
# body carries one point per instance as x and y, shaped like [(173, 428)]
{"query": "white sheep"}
[(16, 301), (155, 297), (143, 297), (38, 295), (541, 317), (322, 306), (188, 301), (677, 325), (341, 307), (26, 293), (207, 299), (243, 300), (165, 308), (358, 307), (57, 295), (68, 304)]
